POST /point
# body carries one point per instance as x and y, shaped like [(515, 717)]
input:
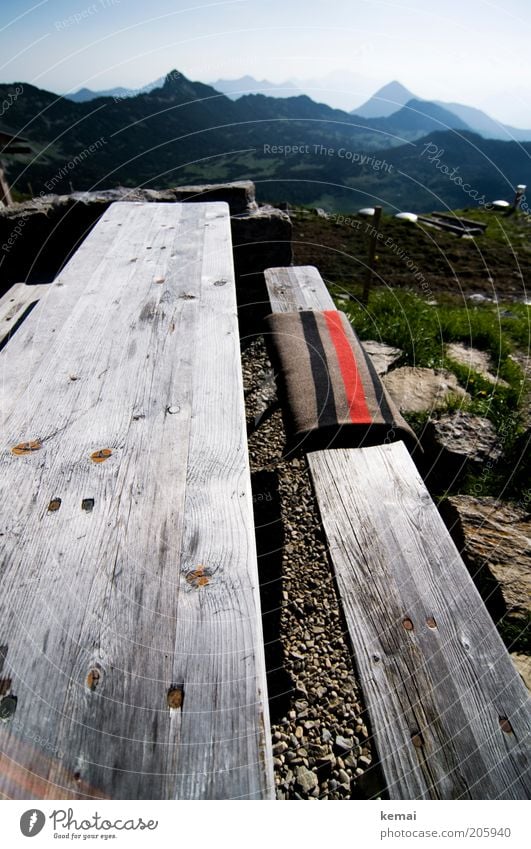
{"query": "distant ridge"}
[(83, 95), (420, 115), (488, 127), (391, 98), (248, 85), (385, 103)]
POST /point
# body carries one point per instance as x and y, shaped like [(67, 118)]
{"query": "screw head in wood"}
[(199, 577), (27, 447), (101, 455)]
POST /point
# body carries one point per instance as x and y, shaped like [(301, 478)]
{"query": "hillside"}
[(298, 150), (431, 262)]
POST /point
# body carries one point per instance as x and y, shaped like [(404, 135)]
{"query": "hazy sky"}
[(470, 51)]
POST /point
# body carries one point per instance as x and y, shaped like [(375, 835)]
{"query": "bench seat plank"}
[(297, 288), (450, 715), (130, 617)]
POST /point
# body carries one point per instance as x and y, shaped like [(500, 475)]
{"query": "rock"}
[(240, 195), (261, 238), (418, 390), (383, 356), (306, 779), (457, 443), (344, 778), (523, 665), (343, 744), (495, 542), (478, 298), (474, 360), (250, 225), (280, 748)]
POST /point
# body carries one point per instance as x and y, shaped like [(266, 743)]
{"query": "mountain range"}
[(393, 97), (82, 95), (294, 148), (387, 101)]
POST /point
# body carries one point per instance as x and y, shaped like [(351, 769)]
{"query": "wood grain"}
[(16, 304), (450, 715), (297, 288), (130, 614)]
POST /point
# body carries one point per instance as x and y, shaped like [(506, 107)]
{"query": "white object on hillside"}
[(368, 210), (407, 216), (500, 204)]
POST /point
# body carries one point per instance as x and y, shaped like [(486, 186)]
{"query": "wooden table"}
[(131, 649)]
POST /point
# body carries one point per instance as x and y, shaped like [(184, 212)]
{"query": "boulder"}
[(474, 360), (261, 238), (457, 443), (240, 195), (383, 356), (495, 542), (418, 390)]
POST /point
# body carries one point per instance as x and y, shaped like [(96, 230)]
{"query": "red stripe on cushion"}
[(359, 412)]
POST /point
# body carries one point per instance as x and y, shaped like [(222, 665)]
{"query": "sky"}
[(468, 51)]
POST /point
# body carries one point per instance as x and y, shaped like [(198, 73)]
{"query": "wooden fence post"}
[(372, 253), (5, 194)]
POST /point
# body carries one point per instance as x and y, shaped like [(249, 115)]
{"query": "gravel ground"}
[(321, 743)]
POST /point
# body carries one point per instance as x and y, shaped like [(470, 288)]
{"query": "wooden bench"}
[(131, 649), (450, 715)]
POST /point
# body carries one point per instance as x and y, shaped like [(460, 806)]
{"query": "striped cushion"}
[(332, 390)]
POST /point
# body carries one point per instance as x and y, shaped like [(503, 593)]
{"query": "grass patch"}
[(421, 330)]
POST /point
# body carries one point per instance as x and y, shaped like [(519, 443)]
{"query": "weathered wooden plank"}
[(130, 616), (450, 715), (102, 252), (297, 288), (16, 303)]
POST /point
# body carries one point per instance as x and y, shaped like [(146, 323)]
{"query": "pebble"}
[(343, 744), (306, 779), (344, 777)]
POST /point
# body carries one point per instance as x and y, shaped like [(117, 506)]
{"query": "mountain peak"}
[(387, 100), (173, 79)]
